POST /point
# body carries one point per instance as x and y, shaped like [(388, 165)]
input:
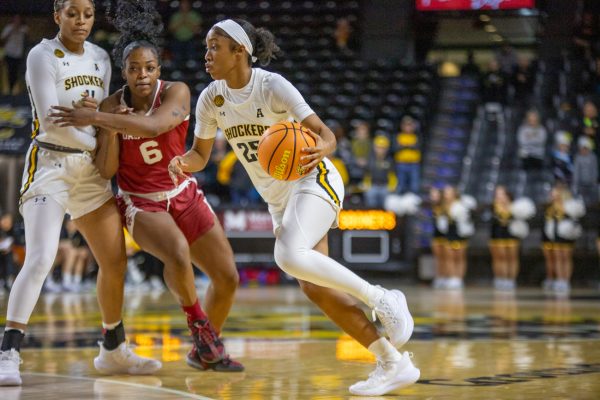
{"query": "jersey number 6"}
[(150, 152)]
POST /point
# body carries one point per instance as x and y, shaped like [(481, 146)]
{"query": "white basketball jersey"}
[(55, 76), (243, 124)]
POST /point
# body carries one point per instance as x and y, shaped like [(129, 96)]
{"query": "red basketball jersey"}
[(143, 162)]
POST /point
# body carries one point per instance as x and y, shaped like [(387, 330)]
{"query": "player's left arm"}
[(284, 97), (324, 138), (174, 109)]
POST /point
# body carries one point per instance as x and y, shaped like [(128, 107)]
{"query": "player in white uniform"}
[(243, 102), (60, 177)]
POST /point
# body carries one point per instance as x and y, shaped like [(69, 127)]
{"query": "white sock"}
[(384, 350), (76, 279), (110, 326), (372, 294), (67, 279)]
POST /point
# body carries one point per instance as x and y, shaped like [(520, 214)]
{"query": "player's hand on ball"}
[(176, 172), (314, 155)]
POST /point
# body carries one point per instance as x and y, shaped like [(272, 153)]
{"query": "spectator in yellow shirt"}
[(407, 155)]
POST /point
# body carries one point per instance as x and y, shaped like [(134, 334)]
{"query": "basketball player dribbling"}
[(137, 145), (60, 177), (243, 102)]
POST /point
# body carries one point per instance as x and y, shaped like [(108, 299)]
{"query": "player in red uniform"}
[(142, 127)]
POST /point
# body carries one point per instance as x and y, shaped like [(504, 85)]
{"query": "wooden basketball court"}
[(479, 344)]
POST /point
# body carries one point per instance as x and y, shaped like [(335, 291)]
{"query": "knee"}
[(177, 256), (226, 279), (312, 291), (284, 257), (38, 264)]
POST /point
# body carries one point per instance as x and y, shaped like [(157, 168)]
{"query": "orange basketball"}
[(280, 149)]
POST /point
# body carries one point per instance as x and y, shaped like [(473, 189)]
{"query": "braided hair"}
[(139, 24)]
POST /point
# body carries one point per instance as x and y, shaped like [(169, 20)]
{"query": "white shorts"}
[(324, 181), (71, 179)]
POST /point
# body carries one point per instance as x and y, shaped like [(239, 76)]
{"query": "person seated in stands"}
[(562, 165), (506, 59), (362, 145), (585, 172), (470, 68), (531, 138), (495, 85), (522, 80), (344, 39), (380, 179), (407, 155), (7, 239), (184, 26), (231, 173), (588, 124), (586, 36)]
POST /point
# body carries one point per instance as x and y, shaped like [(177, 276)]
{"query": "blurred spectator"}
[(7, 239), (586, 36), (494, 85), (562, 165), (380, 179), (585, 172), (72, 273), (361, 150), (470, 68), (345, 40), (589, 124), (343, 149), (232, 173), (522, 81), (13, 38), (568, 118), (531, 138), (184, 26), (507, 59), (407, 155)]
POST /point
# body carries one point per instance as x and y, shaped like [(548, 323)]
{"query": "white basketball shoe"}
[(387, 377), (9, 368), (123, 360), (392, 311)]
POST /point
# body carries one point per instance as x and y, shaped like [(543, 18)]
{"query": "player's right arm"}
[(107, 150)]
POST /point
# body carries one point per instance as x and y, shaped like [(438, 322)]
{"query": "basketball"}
[(280, 149)]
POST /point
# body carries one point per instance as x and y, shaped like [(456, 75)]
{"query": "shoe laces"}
[(10, 358), (385, 313), (208, 336)]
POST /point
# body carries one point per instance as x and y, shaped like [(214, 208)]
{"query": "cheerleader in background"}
[(508, 227), (460, 228), (438, 241), (561, 229)]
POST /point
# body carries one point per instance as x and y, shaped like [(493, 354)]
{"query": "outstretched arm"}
[(195, 159), (107, 150), (174, 109)]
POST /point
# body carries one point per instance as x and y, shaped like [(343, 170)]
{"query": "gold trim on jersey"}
[(324, 183), (32, 166), (36, 128)]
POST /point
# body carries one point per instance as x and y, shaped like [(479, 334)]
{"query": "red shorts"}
[(190, 210)]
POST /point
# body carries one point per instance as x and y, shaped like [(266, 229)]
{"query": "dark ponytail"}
[(140, 25), (263, 42)]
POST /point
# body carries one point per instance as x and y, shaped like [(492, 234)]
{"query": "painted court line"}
[(136, 385)]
